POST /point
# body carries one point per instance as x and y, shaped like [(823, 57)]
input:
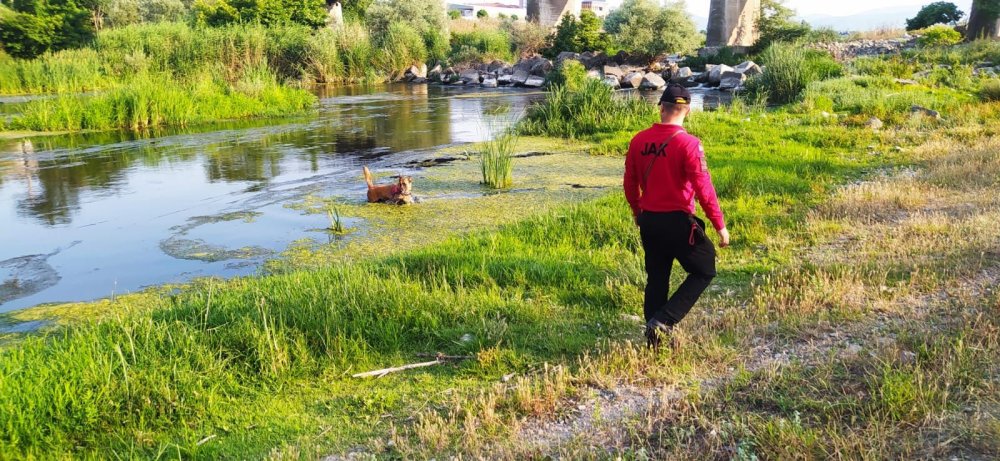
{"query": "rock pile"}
[(848, 50), (619, 71)]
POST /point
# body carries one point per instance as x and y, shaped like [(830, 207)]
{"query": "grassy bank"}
[(548, 307)]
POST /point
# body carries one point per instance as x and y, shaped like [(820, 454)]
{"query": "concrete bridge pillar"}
[(733, 23), (548, 13)]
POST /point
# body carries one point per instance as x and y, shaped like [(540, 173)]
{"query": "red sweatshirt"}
[(679, 175)]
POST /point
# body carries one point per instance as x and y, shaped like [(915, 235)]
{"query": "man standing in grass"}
[(665, 171)]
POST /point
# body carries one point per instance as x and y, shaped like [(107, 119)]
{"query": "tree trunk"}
[(983, 21)]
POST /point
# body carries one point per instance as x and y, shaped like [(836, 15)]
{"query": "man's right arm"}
[(631, 180)]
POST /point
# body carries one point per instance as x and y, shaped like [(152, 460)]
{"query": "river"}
[(92, 215)]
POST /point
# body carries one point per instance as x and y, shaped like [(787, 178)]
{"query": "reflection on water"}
[(105, 210), (100, 213)]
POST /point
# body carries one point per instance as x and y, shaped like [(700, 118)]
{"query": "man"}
[(665, 171)]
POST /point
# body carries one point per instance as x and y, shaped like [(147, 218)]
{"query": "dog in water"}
[(400, 193)]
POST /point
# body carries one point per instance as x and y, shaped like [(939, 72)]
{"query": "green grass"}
[(157, 101), (790, 69), (496, 159), (593, 111)]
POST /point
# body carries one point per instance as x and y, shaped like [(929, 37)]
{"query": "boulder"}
[(732, 80), (595, 74), (415, 71), (471, 77), (520, 77), (681, 75), (715, 75), (612, 81), (652, 81), (541, 67), (505, 79), (495, 66), (632, 80), (534, 81), (566, 55), (748, 68), (418, 80), (904, 81), (614, 71), (921, 110), (434, 74), (703, 77), (592, 60), (490, 82), (874, 123)]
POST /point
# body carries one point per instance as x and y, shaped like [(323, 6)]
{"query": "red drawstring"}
[(694, 227)]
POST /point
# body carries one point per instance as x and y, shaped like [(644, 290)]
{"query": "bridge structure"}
[(548, 13), (733, 23)]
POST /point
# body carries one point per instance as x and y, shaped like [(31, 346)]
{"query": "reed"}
[(591, 111), (497, 161)]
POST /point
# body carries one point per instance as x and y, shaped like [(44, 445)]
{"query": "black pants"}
[(666, 237)]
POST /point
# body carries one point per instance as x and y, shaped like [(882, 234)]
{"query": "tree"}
[(644, 26), (37, 26), (454, 14), (935, 13), (776, 24), (311, 13), (983, 20), (482, 14), (427, 17)]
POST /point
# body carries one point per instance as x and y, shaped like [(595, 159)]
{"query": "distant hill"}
[(874, 19)]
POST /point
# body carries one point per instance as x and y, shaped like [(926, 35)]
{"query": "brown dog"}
[(399, 193)]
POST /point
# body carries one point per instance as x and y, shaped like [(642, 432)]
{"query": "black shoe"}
[(656, 332)]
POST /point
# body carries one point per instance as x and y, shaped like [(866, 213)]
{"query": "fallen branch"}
[(438, 359)]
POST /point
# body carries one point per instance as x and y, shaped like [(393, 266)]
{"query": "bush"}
[(482, 14), (593, 111), (481, 45), (528, 38), (454, 14), (570, 74), (939, 35), (790, 68), (578, 35), (28, 30), (990, 91), (644, 26), (776, 25)]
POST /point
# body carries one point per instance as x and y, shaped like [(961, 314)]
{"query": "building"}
[(468, 10), (599, 7)]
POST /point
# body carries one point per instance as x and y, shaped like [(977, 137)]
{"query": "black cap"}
[(676, 94)]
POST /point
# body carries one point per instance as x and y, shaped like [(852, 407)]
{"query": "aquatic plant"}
[(336, 226), (497, 160)]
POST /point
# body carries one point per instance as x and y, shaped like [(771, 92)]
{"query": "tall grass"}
[(481, 45), (790, 68), (878, 97), (990, 91), (66, 71), (497, 161), (158, 101), (594, 110)]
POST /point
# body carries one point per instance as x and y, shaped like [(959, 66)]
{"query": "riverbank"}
[(549, 308)]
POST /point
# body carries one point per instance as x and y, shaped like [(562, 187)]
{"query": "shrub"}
[(569, 74), (595, 110), (528, 38), (790, 68), (644, 26), (481, 45), (454, 14), (776, 25), (482, 14), (990, 91), (939, 35)]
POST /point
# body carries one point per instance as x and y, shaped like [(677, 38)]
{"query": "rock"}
[(495, 66), (505, 79), (703, 77), (652, 81), (419, 81), (490, 82), (748, 68), (632, 80), (567, 55), (904, 81), (534, 81), (471, 77), (612, 81), (732, 80), (414, 71), (541, 68), (520, 77), (874, 123), (434, 74), (921, 110), (681, 75), (715, 75), (615, 71), (595, 74)]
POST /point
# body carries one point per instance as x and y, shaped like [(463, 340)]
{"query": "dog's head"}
[(405, 185)]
